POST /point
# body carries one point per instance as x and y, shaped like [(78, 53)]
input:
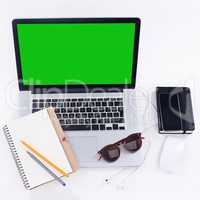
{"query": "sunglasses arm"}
[(123, 141), (99, 154)]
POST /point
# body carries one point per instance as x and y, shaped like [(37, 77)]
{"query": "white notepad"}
[(37, 130)]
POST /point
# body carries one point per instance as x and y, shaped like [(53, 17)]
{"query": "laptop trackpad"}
[(85, 148)]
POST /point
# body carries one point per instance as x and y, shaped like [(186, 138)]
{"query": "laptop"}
[(85, 68)]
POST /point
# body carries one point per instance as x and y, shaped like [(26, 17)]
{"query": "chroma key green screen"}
[(84, 53)]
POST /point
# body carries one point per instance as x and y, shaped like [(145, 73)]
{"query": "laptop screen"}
[(76, 53)]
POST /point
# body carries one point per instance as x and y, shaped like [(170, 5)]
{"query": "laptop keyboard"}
[(86, 113)]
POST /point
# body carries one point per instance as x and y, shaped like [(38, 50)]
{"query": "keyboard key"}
[(104, 103), (95, 127), (103, 114), (81, 121), (65, 115), (90, 115), (73, 104), (77, 115), (53, 104), (121, 127), (85, 104), (59, 115), (114, 109), (110, 103), (87, 121), (66, 104), (116, 114), (62, 121), (88, 109), (101, 109), (76, 109), (121, 103), (82, 109), (68, 121), (35, 100), (76, 127), (91, 104), (108, 109), (79, 104), (117, 120), (84, 115), (63, 110), (35, 110), (106, 120), (59, 104), (47, 105), (102, 127), (94, 109), (94, 121), (113, 120), (120, 109), (117, 103), (109, 114), (74, 121), (98, 103), (108, 128), (74, 99), (41, 105), (100, 121), (115, 126), (69, 110), (57, 110), (97, 115), (34, 105), (121, 120), (71, 115)]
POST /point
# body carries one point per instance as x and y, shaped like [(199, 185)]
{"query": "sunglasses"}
[(111, 152)]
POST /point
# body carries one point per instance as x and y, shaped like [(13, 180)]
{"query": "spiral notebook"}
[(43, 131)]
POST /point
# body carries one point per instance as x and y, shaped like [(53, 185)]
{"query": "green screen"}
[(88, 53)]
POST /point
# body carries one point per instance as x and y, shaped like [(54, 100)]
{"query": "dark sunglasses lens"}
[(110, 153), (133, 145)]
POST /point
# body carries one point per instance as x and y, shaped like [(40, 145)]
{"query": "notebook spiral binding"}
[(16, 157)]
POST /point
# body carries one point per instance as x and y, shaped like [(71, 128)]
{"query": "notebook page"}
[(37, 130)]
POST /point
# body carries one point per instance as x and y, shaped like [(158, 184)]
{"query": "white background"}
[(169, 55)]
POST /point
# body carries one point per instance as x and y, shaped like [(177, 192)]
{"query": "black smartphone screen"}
[(170, 112)]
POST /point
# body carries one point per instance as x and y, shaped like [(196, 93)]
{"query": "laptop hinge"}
[(54, 90)]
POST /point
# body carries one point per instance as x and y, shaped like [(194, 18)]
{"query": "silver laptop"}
[(86, 69)]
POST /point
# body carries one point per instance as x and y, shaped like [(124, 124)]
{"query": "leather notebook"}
[(174, 109)]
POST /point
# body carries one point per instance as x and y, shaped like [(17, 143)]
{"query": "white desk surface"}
[(169, 55)]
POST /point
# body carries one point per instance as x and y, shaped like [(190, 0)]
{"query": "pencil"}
[(46, 168), (37, 153)]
